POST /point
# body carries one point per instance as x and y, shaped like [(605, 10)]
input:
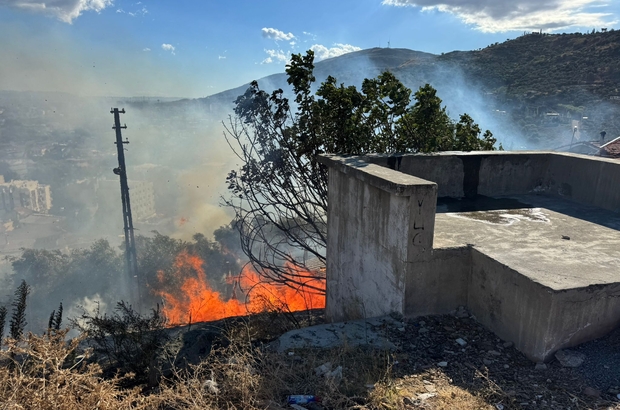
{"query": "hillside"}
[(580, 67), (507, 87), (558, 65)]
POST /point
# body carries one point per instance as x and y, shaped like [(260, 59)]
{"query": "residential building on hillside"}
[(25, 194)]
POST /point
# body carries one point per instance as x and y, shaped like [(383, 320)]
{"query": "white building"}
[(25, 194)]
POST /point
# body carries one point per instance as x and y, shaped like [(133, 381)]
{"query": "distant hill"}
[(349, 68), (578, 67), (533, 65), (512, 88)]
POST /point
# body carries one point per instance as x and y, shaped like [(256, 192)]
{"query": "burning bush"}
[(196, 301)]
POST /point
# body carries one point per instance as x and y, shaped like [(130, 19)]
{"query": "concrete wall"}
[(438, 285), (584, 179), (509, 303), (537, 319), (379, 222)]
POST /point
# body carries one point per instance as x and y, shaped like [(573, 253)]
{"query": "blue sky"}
[(193, 48)]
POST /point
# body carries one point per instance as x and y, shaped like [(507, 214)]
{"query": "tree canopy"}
[(279, 193)]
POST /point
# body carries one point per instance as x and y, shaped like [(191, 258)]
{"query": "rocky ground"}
[(463, 353), (432, 355)]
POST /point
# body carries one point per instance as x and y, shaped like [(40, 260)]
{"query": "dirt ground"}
[(451, 361), (459, 352)]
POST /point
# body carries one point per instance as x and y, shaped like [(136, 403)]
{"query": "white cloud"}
[(146, 49), (276, 34), (64, 10), (321, 52), (168, 47), (508, 15), (275, 55), (309, 34), (140, 12), (221, 57)]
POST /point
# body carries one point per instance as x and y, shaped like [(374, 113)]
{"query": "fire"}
[(196, 301)]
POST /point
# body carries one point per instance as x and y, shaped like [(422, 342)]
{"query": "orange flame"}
[(198, 302)]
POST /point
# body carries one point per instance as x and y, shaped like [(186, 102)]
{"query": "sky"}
[(195, 48)]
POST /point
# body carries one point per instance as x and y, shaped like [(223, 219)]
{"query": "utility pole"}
[(131, 262)]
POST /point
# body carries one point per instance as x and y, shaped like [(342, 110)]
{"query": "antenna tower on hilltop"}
[(131, 262)]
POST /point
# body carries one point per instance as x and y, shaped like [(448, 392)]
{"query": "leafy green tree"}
[(426, 127), (40, 265), (467, 136), (279, 193)]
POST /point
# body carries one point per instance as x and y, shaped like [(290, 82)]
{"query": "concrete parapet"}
[(379, 222)]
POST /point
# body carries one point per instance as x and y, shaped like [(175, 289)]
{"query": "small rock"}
[(540, 366), (426, 396), (508, 344), (423, 330), (494, 353), (430, 388), (566, 237), (461, 342), (442, 364), (370, 386), (336, 374), (422, 323), (592, 392), (618, 396), (461, 312), (499, 406), (570, 358), (323, 369), (506, 366), (401, 329), (487, 362)]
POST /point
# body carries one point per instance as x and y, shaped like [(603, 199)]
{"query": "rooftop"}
[(554, 242)]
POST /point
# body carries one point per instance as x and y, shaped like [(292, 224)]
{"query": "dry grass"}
[(42, 372)]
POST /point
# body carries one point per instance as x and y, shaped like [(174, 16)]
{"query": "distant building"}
[(25, 194), (611, 149)]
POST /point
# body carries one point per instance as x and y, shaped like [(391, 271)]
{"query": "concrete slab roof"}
[(557, 243)]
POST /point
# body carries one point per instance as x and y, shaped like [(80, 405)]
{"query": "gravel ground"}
[(478, 361)]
